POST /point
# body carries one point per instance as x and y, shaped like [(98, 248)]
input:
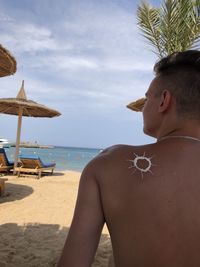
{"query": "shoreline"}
[(65, 159)]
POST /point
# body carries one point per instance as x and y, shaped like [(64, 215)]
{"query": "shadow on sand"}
[(15, 192), (57, 173), (40, 245), (44, 174), (18, 191)]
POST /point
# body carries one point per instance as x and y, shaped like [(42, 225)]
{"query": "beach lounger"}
[(33, 164), (5, 164)]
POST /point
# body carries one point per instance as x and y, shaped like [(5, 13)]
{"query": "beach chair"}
[(33, 164), (5, 164)]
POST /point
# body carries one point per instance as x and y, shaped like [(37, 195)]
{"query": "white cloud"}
[(28, 38), (5, 18), (58, 62)]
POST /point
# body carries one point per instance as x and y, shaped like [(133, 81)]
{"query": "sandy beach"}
[(35, 216)]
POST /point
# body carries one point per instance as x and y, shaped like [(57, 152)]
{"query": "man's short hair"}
[(180, 73)]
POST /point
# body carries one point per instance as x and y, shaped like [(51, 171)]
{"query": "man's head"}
[(178, 80)]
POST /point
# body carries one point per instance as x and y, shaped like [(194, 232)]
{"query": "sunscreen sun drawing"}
[(141, 160)]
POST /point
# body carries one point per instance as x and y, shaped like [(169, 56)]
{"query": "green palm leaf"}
[(173, 27), (149, 24)]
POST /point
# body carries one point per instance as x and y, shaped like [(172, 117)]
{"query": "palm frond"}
[(167, 23), (173, 27), (148, 22), (187, 24)]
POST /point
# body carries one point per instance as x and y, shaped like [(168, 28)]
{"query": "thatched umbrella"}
[(21, 106), (137, 105), (8, 64)]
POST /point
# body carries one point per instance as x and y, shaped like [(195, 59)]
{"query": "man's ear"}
[(165, 101)]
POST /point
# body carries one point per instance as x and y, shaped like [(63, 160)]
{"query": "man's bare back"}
[(153, 217)]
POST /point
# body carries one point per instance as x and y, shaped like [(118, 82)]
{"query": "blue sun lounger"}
[(33, 164), (5, 164)]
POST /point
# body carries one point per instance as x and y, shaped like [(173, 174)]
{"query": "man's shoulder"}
[(113, 150), (120, 148), (106, 156), (111, 159)]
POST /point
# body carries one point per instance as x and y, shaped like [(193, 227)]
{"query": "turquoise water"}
[(66, 158)]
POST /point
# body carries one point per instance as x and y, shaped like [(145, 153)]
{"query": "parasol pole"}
[(19, 125)]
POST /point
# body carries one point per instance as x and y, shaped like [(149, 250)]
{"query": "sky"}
[(86, 59)]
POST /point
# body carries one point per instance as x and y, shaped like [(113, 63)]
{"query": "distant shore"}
[(29, 145), (32, 145)]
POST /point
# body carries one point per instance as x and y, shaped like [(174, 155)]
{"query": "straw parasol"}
[(8, 64), (21, 106), (137, 105)]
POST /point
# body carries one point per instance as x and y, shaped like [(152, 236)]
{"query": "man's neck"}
[(187, 128)]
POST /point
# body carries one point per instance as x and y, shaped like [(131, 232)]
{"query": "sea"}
[(66, 158)]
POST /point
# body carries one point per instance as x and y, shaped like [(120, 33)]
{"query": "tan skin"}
[(153, 217)]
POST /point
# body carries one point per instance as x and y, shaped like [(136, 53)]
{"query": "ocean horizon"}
[(66, 157)]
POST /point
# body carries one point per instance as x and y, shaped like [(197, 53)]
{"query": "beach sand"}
[(35, 216)]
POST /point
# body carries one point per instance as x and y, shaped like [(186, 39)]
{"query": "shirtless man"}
[(149, 196)]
